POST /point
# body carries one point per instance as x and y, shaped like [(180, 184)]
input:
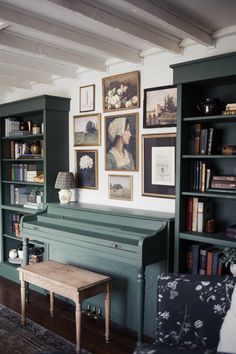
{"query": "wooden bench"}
[(71, 282)]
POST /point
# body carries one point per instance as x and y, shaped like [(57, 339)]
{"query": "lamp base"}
[(64, 196)]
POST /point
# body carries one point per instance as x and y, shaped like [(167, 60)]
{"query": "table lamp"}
[(65, 181)]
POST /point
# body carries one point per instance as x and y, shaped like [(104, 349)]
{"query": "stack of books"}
[(231, 231), (223, 183), (230, 109)]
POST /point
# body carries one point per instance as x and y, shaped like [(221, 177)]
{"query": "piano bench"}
[(71, 282)]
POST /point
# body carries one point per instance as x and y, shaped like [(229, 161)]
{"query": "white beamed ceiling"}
[(41, 40)]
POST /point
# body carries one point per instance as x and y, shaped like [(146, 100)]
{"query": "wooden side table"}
[(71, 282)]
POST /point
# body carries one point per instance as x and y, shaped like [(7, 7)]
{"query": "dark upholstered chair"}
[(190, 312)]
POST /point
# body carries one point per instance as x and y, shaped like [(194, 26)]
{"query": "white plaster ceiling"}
[(43, 38)]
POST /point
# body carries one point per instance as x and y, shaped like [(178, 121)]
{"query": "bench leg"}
[(78, 312), (107, 314), (22, 291), (52, 304)]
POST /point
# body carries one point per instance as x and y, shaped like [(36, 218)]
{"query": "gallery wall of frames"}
[(129, 129)]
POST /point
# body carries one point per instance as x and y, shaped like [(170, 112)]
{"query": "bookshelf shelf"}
[(205, 178), (44, 157), (203, 157)]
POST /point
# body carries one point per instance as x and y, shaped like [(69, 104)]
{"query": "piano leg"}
[(140, 301), (25, 262)]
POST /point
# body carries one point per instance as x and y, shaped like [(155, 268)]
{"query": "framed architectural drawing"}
[(87, 98), (158, 160), (159, 108)]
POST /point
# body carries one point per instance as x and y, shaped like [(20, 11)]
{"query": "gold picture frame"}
[(87, 130), (121, 91), (86, 168), (120, 187), (158, 165)]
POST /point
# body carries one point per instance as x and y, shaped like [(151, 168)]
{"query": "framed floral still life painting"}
[(87, 168), (120, 187), (158, 158), (121, 92), (121, 142), (159, 108), (87, 130), (87, 98)]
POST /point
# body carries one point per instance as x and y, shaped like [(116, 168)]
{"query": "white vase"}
[(233, 269)]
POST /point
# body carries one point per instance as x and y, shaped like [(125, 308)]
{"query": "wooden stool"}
[(71, 282)]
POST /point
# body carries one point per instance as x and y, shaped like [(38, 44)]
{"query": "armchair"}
[(190, 312)]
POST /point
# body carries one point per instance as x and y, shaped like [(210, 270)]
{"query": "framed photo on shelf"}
[(120, 187), (159, 108), (121, 142), (158, 158), (121, 92), (86, 162), (87, 98), (87, 130)]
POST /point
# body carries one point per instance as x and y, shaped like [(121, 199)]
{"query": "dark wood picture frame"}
[(160, 106), (87, 98), (86, 170), (158, 165)]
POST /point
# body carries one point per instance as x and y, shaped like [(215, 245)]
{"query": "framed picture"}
[(121, 142), (87, 98), (158, 157), (86, 162), (87, 130), (120, 187), (159, 108), (121, 92)]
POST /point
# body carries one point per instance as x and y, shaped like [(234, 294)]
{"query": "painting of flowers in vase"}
[(86, 168), (121, 92)]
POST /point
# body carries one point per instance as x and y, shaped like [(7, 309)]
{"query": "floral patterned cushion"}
[(191, 309)]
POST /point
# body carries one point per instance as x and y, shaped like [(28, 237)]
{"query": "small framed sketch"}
[(159, 108), (86, 162), (121, 92), (87, 130), (87, 98), (158, 158), (120, 187)]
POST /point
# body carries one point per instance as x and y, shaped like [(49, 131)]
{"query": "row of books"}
[(204, 141), (24, 172), (22, 150), (204, 260), (198, 211), (15, 219), (12, 125)]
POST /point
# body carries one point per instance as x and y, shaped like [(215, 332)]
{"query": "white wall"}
[(154, 72)]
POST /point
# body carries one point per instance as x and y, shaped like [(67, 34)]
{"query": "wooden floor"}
[(122, 341)]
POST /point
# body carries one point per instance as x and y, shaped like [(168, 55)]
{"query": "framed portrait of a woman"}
[(121, 142)]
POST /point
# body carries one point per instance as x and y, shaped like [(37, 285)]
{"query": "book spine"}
[(189, 214), (203, 182), (194, 218), (203, 141), (224, 185), (209, 145), (202, 261), (195, 256), (200, 217), (197, 128), (224, 178)]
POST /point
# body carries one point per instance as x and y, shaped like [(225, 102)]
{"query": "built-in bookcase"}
[(30, 160), (197, 80)]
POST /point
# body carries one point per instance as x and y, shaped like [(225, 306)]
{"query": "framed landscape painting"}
[(86, 162), (159, 108), (87, 130), (120, 187), (87, 98), (158, 157), (121, 92)]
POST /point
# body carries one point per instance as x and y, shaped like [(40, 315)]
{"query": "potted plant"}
[(229, 258)]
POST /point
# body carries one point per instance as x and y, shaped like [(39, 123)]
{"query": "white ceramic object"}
[(233, 269), (20, 254), (13, 253)]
